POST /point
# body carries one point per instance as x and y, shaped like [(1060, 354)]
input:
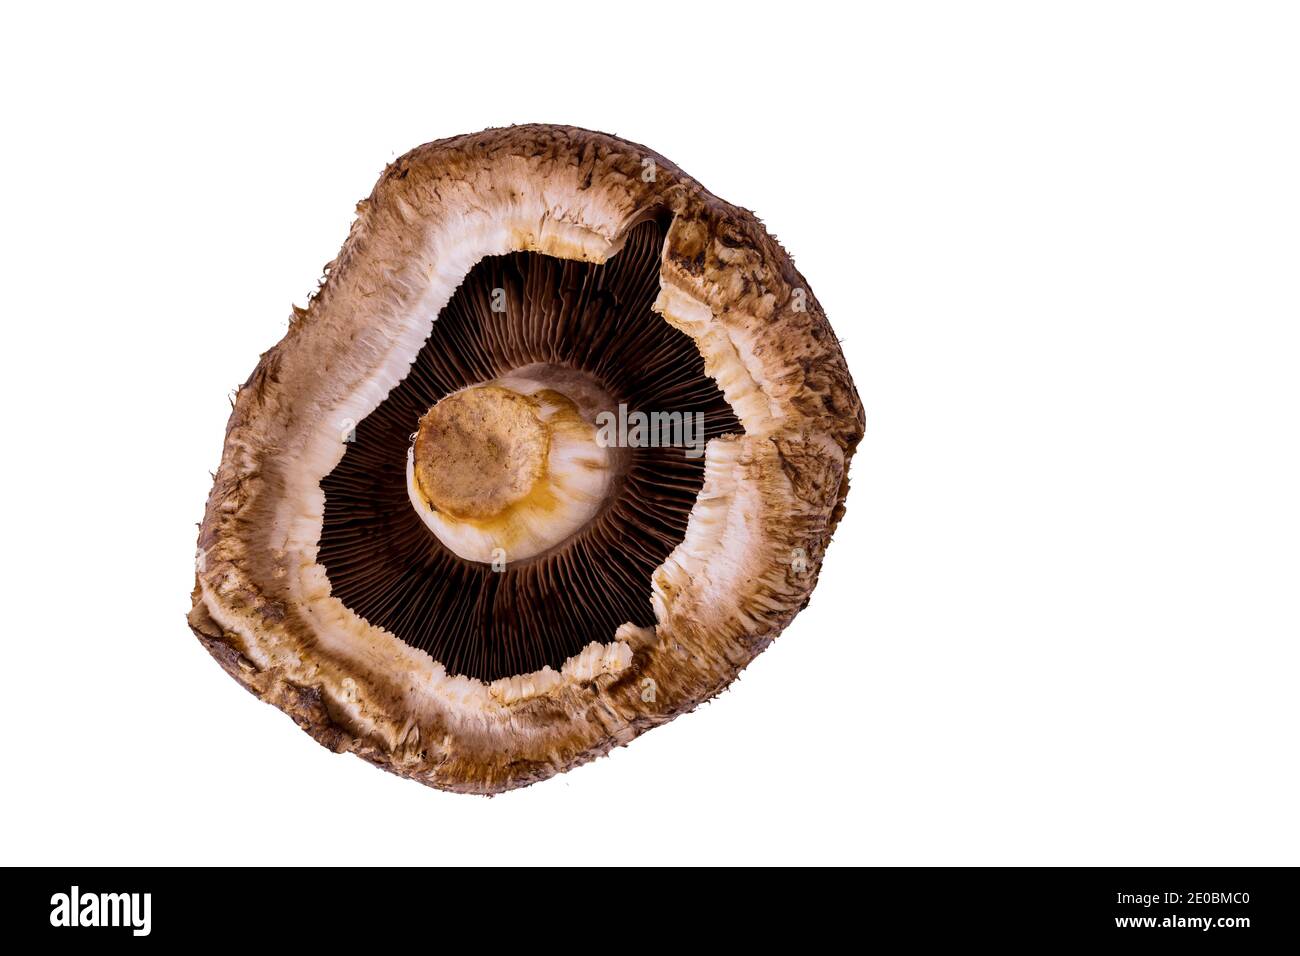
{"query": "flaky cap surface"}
[(755, 540)]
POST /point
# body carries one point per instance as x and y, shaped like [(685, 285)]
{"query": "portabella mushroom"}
[(443, 536)]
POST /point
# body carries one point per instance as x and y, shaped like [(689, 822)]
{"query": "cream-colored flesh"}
[(532, 457)]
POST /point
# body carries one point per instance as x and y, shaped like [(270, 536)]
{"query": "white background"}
[(1060, 243)]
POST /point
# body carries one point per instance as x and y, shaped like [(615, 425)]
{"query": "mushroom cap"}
[(754, 541)]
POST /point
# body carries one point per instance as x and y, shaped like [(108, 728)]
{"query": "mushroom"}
[(555, 450)]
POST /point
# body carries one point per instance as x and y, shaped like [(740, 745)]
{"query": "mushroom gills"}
[(493, 564)]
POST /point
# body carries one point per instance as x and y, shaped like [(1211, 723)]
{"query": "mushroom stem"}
[(505, 470), (481, 451)]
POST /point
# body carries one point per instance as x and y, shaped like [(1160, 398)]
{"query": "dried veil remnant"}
[(422, 543)]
